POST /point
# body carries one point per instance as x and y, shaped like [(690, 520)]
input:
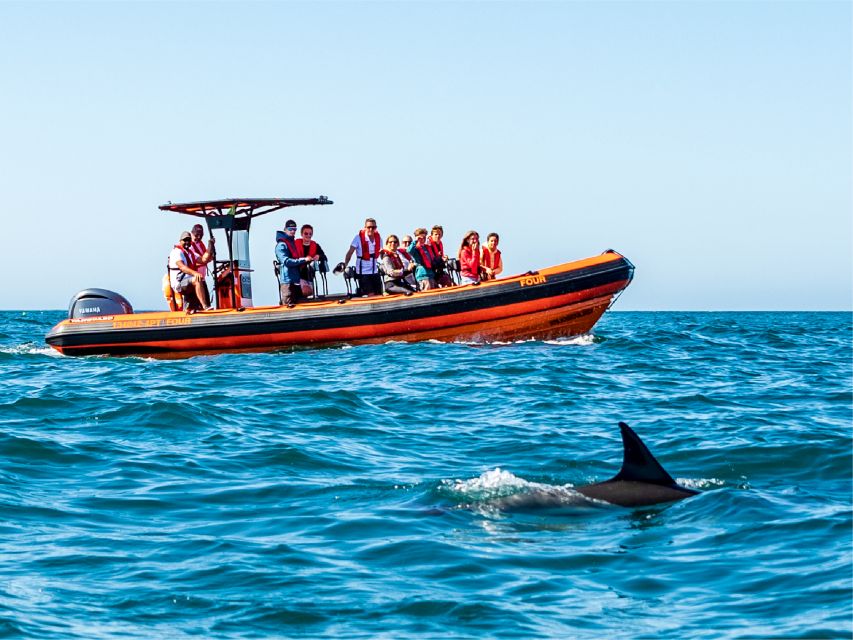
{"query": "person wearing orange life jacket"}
[(406, 257), (306, 247), (182, 277), (201, 255), (287, 254), (366, 245), (469, 258), (393, 269), (439, 258), (422, 256), (490, 257), (404, 248)]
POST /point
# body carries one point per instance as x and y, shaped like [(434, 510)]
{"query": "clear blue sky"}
[(710, 142)]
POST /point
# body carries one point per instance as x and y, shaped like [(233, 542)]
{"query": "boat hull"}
[(560, 301)]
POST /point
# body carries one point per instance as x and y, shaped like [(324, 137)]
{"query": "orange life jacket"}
[(300, 250), (185, 256), (489, 259), (291, 246), (437, 247), (396, 262), (426, 255), (365, 245), (405, 254), (196, 251)]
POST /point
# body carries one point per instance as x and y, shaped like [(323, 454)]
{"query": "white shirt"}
[(406, 261), (366, 266), (174, 272)]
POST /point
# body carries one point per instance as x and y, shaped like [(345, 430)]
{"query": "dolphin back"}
[(641, 481)]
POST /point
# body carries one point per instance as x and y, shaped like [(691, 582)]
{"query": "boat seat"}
[(322, 269), (454, 269)]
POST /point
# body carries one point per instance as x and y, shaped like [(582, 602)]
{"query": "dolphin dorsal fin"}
[(638, 464)]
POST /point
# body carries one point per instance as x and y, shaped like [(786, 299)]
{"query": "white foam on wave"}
[(585, 340), (30, 348), (699, 483), (496, 483)]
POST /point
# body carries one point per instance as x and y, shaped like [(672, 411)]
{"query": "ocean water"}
[(352, 491)]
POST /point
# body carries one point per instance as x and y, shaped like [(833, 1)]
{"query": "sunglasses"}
[(290, 228), (393, 242), (370, 227)]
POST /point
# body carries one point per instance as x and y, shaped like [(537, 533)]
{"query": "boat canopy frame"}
[(239, 207), (235, 214)]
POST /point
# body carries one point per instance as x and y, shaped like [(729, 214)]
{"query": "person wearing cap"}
[(182, 277), (366, 245), (287, 254), (201, 255)]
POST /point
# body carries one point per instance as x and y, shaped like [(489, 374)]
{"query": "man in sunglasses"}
[(366, 245), (182, 277), (287, 254)]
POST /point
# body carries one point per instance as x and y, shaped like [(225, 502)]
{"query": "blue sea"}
[(353, 491)]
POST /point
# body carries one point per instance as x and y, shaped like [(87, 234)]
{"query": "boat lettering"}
[(95, 319), (178, 321), (531, 280), (136, 324), (154, 322)]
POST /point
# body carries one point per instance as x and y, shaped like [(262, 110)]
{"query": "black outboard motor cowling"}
[(90, 303)]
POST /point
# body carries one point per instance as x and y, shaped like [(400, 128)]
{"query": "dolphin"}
[(641, 482)]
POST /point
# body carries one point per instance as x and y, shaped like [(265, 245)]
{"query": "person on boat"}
[(406, 257), (307, 248), (394, 271), (422, 256), (287, 254), (201, 255), (182, 277), (366, 245), (491, 257), (439, 259), (403, 250), (469, 258)]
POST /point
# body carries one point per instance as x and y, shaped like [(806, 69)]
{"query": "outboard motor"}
[(90, 303)]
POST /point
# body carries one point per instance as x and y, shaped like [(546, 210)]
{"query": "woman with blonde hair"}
[(469, 258)]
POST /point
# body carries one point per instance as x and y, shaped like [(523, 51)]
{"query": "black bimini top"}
[(246, 207)]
